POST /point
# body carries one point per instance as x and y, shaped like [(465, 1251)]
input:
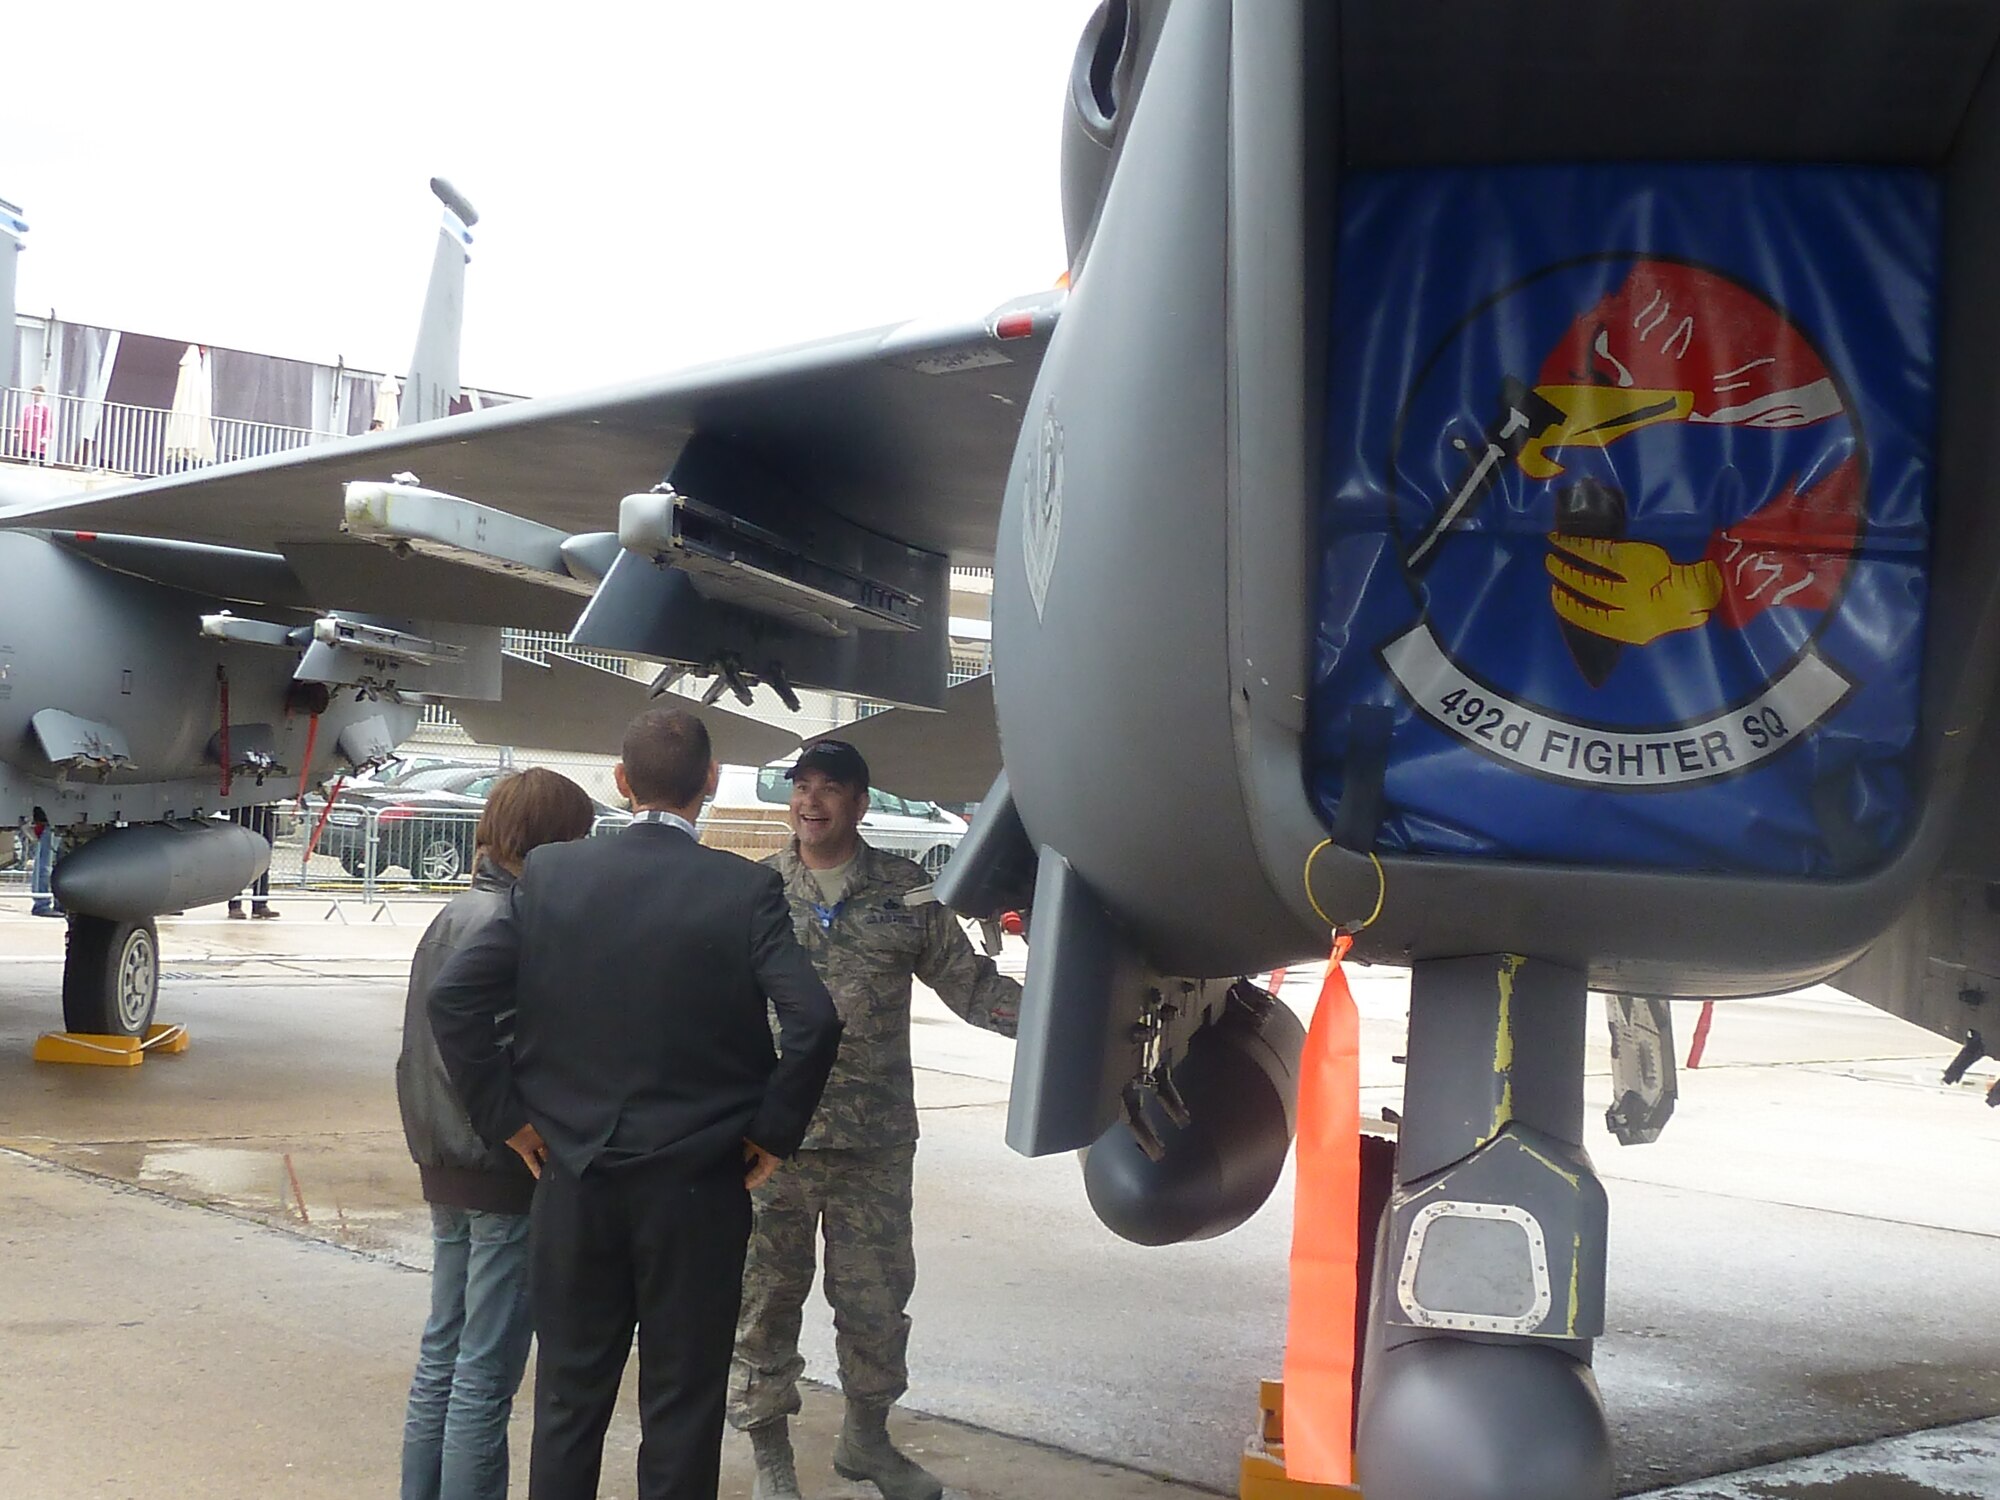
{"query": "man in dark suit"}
[(641, 1088)]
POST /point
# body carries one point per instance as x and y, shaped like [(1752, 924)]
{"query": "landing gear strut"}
[(111, 977), (1489, 1285)]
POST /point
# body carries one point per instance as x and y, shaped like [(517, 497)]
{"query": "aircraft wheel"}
[(441, 861), (111, 977)]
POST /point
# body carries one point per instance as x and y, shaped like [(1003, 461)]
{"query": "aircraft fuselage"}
[(124, 654)]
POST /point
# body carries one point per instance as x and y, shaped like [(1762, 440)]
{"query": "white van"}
[(751, 804)]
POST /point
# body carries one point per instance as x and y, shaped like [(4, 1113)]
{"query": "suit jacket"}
[(642, 969)]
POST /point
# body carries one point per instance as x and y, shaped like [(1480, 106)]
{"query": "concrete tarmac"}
[(209, 1257)]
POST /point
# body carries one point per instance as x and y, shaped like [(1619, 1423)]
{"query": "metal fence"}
[(403, 849), (143, 441), (372, 850), (400, 850)]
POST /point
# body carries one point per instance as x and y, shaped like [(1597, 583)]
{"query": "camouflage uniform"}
[(853, 1175)]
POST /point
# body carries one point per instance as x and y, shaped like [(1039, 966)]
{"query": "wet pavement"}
[(1803, 1263), (1955, 1463)]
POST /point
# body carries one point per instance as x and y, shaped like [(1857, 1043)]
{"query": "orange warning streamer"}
[(1320, 1337)]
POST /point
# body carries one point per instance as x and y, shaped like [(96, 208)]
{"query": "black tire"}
[(111, 977)]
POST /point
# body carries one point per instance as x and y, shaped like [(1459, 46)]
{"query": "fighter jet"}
[(1501, 483), (259, 626), (148, 685)]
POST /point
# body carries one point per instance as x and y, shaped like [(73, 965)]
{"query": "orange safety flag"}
[(1320, 1336)]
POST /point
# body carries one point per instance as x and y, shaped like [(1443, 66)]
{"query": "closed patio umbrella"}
[(388, 398), (190, 430)]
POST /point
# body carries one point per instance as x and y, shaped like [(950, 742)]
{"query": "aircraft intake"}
[(1238, 1092), (1110, 64), (137, 873)]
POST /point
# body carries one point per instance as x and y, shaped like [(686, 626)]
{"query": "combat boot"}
[(777, 1479), (865, 1452)]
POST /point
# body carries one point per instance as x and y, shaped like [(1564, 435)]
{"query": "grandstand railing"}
[(141, 441)]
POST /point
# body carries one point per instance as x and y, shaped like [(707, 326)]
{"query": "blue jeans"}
[(469, 1365), (38, 881)]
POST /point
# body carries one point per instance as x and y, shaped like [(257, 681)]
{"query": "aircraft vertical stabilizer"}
[(433, 379), (12, 228)]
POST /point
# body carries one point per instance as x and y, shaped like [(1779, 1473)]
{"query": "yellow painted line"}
[(1575, 1274), (1574, 1179), (1503, 1044)]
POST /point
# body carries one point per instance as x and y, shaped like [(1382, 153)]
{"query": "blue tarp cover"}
[(1627, 513)]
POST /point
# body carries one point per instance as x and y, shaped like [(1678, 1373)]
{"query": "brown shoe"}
[(262, 912)]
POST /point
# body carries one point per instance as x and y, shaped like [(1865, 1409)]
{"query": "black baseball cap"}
[(836, 760)]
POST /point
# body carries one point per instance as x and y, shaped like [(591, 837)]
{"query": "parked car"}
[(392, 772), (423, 822), (400, 768), (749, 815)]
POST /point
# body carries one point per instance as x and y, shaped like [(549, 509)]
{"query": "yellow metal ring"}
[(1381, 888)]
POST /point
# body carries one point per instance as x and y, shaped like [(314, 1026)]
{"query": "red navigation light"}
[(1015, 325)]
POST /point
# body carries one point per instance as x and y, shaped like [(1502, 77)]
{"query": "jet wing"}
[(571, 706), (906, 431), (946, 757)]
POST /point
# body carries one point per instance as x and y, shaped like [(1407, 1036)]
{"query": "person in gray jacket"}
[(475, 1345)]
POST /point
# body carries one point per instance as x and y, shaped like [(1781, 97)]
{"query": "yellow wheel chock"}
[(1263, 1476), (86, 1049)]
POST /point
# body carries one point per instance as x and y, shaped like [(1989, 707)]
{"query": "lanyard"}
[(671, 820)]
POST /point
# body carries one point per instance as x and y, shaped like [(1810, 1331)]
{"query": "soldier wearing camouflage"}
[(870, 925), (867, 946)]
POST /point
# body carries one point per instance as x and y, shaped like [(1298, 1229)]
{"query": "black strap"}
[(1851, 848), (1362, 800)]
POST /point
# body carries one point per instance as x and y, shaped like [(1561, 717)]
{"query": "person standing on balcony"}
[(36, 425), (475, 1345), (870, 924)]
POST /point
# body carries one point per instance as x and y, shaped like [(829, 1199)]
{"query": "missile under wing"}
[(1450, 507), (787, 519), (149, 683)]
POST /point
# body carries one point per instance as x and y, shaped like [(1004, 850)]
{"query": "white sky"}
[(657, 183)]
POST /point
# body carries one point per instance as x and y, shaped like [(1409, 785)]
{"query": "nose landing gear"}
[(1490, 1283)]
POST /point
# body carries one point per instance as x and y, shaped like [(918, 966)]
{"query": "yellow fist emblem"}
[(1630, 592)]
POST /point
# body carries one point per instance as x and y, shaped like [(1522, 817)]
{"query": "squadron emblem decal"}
[(1041, 526), (1625, 513), (1669, 345)]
